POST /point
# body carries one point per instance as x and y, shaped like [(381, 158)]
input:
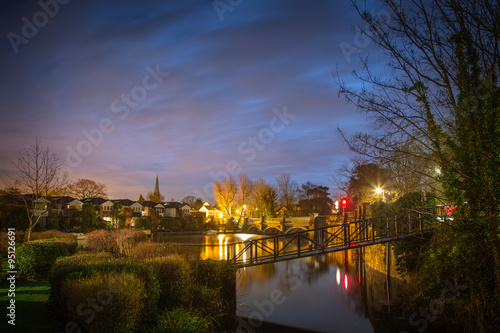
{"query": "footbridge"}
[(297, 240)]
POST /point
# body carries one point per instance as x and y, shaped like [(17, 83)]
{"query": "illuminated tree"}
[(225, 192)]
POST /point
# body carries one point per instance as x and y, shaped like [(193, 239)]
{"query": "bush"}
[(34, 258), (101, 240), (84, 258), (105, 302), (142, 223), (51, 234), (118, 242), (214, 292), (216, 275), (83, 266), (70, 244), (145, 251), (179, 320), (126, 239), (173, 273)]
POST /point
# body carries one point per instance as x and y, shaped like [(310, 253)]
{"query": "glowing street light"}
[(378, 190)]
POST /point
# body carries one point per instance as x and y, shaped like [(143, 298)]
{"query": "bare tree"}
[(40, 173), (86, 188), (225, 192), (287, 190), (442, 99), (245, 189)]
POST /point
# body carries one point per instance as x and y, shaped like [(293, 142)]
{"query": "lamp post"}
[(378, 190)]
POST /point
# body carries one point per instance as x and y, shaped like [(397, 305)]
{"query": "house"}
[(151, 208), (76, 204), (177, 209), (210, 211)]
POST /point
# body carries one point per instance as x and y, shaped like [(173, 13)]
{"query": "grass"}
[(31, 310)]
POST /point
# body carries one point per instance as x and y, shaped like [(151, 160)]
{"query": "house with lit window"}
[(151, 208), (210, 211)]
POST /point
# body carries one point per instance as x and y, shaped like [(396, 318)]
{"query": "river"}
[(335, 292)]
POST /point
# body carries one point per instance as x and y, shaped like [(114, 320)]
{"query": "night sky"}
[(127, 90)]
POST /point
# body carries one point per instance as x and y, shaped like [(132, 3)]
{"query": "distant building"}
[(177, 209)]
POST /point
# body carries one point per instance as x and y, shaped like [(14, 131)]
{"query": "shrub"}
[(70, 244), (105, 302), (214, 292), (142, 223), (173, 273), (82, 266), (4, 241), (126, 239), (84, 258), (118, 242), (215, 274), (179, 320), (101, 240), (34, 258), (144, 251), (52, 234)]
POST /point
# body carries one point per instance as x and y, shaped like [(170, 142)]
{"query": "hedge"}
[(35, 258), (105, 301), (204, 287), (179, 320), (78, 267), (173, 273), (49, 234)]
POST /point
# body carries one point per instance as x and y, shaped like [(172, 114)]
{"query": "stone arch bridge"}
[(287, 225)]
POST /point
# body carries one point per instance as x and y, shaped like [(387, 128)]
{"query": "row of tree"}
[(267, 199)]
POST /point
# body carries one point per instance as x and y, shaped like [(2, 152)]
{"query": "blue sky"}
[(127, 90)]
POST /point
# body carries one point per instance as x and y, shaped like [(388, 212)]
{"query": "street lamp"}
[(378, 190)]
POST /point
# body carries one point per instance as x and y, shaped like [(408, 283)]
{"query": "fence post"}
[(251, 251), (373, 232), (298, 245), (275, 247), (347, 233), (388, 229), (396, 224)]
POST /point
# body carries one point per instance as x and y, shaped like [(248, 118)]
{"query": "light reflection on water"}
[(325, 293)]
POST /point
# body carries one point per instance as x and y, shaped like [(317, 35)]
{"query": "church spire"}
[(156, 194)]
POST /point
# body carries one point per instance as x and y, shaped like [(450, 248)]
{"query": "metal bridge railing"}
[(321, 240)]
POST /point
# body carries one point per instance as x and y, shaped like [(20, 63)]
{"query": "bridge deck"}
[(309, 253), (322, 240)]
